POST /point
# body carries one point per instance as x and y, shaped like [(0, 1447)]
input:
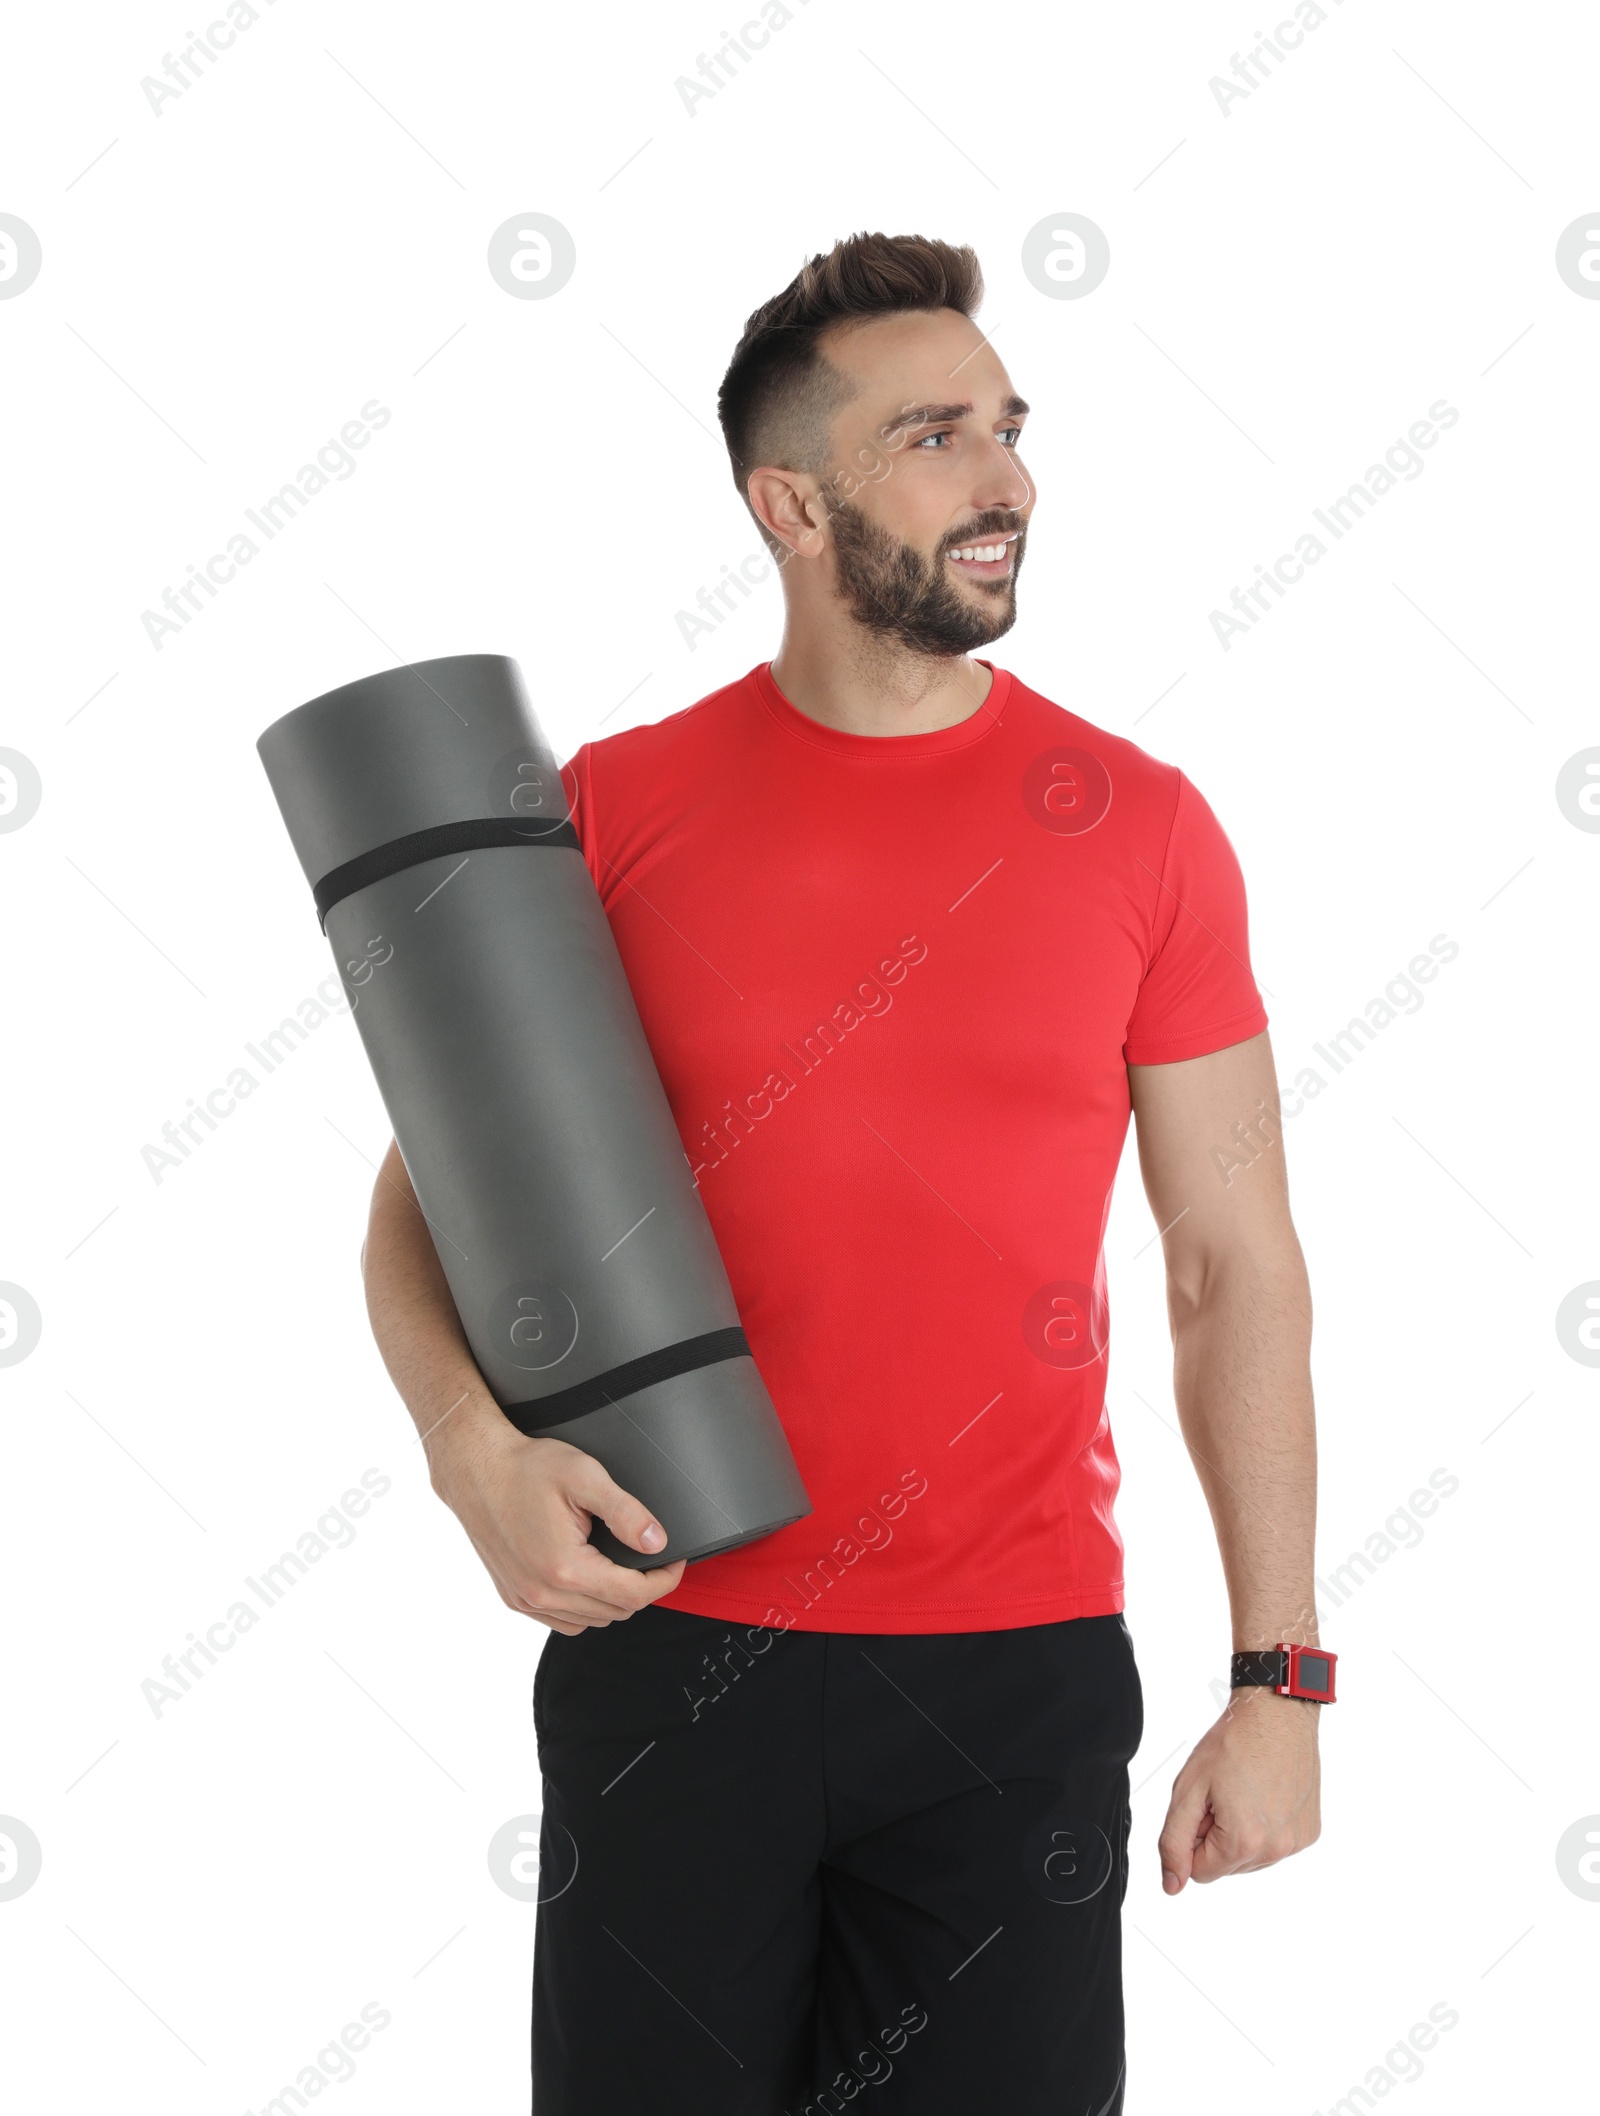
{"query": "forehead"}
[(935, 357)]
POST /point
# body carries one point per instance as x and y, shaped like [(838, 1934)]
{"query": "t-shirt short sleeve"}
[(1198, 994)]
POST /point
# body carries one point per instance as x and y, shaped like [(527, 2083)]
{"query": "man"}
[(848, 1806)]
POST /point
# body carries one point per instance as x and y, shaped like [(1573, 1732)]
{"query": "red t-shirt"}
[(892, 985)]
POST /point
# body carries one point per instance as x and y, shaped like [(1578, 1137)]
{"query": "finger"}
[(555, 1591), (1216, 1854), (1183, 1831), (583, 1582), (655, 1584), (589, 1580), (531, 1588), (556, 1623), (588, 1483), (1244, 1848), (546, 1588), (1264, 1850), (661, 1579), (551, 1609)]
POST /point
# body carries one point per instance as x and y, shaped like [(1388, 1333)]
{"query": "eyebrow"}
[(944, 414)]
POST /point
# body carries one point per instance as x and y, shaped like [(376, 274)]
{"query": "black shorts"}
[(787, 1873)]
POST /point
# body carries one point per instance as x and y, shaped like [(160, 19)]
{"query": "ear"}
[(786, 503)]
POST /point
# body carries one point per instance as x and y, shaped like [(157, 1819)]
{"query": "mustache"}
[(986, 531)]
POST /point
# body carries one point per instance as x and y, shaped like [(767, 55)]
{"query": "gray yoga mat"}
[(431, 819)]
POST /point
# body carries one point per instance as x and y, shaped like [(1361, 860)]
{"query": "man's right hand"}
[(528, 1505)]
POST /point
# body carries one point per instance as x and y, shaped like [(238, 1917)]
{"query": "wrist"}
[(1259, 1632), (1250, 1697), (464, 1442), (1287, 1670)]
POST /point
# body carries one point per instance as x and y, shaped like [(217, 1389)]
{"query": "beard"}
[(893, 591)]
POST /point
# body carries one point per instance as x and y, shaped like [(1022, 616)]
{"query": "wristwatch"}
[(1293, 1671)]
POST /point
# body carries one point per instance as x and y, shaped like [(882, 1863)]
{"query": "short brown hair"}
[(780, 390)]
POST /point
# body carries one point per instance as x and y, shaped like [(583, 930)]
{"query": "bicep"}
[(1211, 1154)]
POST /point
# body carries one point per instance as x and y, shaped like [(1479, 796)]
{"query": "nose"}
[(1002, 482)]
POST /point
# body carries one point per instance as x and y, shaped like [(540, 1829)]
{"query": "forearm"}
[(527, 1505), (1240, 1308), (1242, 1382), (419, 1333)]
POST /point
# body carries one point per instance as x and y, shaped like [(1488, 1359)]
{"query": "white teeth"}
[(986, 553)]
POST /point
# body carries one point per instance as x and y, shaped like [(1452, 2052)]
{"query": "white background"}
[(1299, 279)]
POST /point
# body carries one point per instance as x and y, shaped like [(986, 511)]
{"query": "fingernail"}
[(1170, 1881), (653, 1537)]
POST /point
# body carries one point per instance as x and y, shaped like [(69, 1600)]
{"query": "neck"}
[(866, 685)]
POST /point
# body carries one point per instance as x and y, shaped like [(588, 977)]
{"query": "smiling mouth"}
[(988, 559)]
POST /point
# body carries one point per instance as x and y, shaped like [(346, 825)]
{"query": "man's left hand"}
[(1249, 1795)]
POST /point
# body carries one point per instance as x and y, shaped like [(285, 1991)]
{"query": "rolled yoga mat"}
[(432, 822)]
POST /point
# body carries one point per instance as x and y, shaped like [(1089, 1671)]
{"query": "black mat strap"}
[(543, 1412), (472, 834)]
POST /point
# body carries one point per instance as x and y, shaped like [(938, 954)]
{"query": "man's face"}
[(926, 498)]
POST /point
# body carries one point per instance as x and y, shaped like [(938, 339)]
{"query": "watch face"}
[(1311, 1671)]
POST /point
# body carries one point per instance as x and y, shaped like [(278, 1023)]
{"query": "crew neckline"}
[(885, 749)]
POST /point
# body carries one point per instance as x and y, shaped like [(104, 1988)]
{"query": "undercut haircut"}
[(781, 392)]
